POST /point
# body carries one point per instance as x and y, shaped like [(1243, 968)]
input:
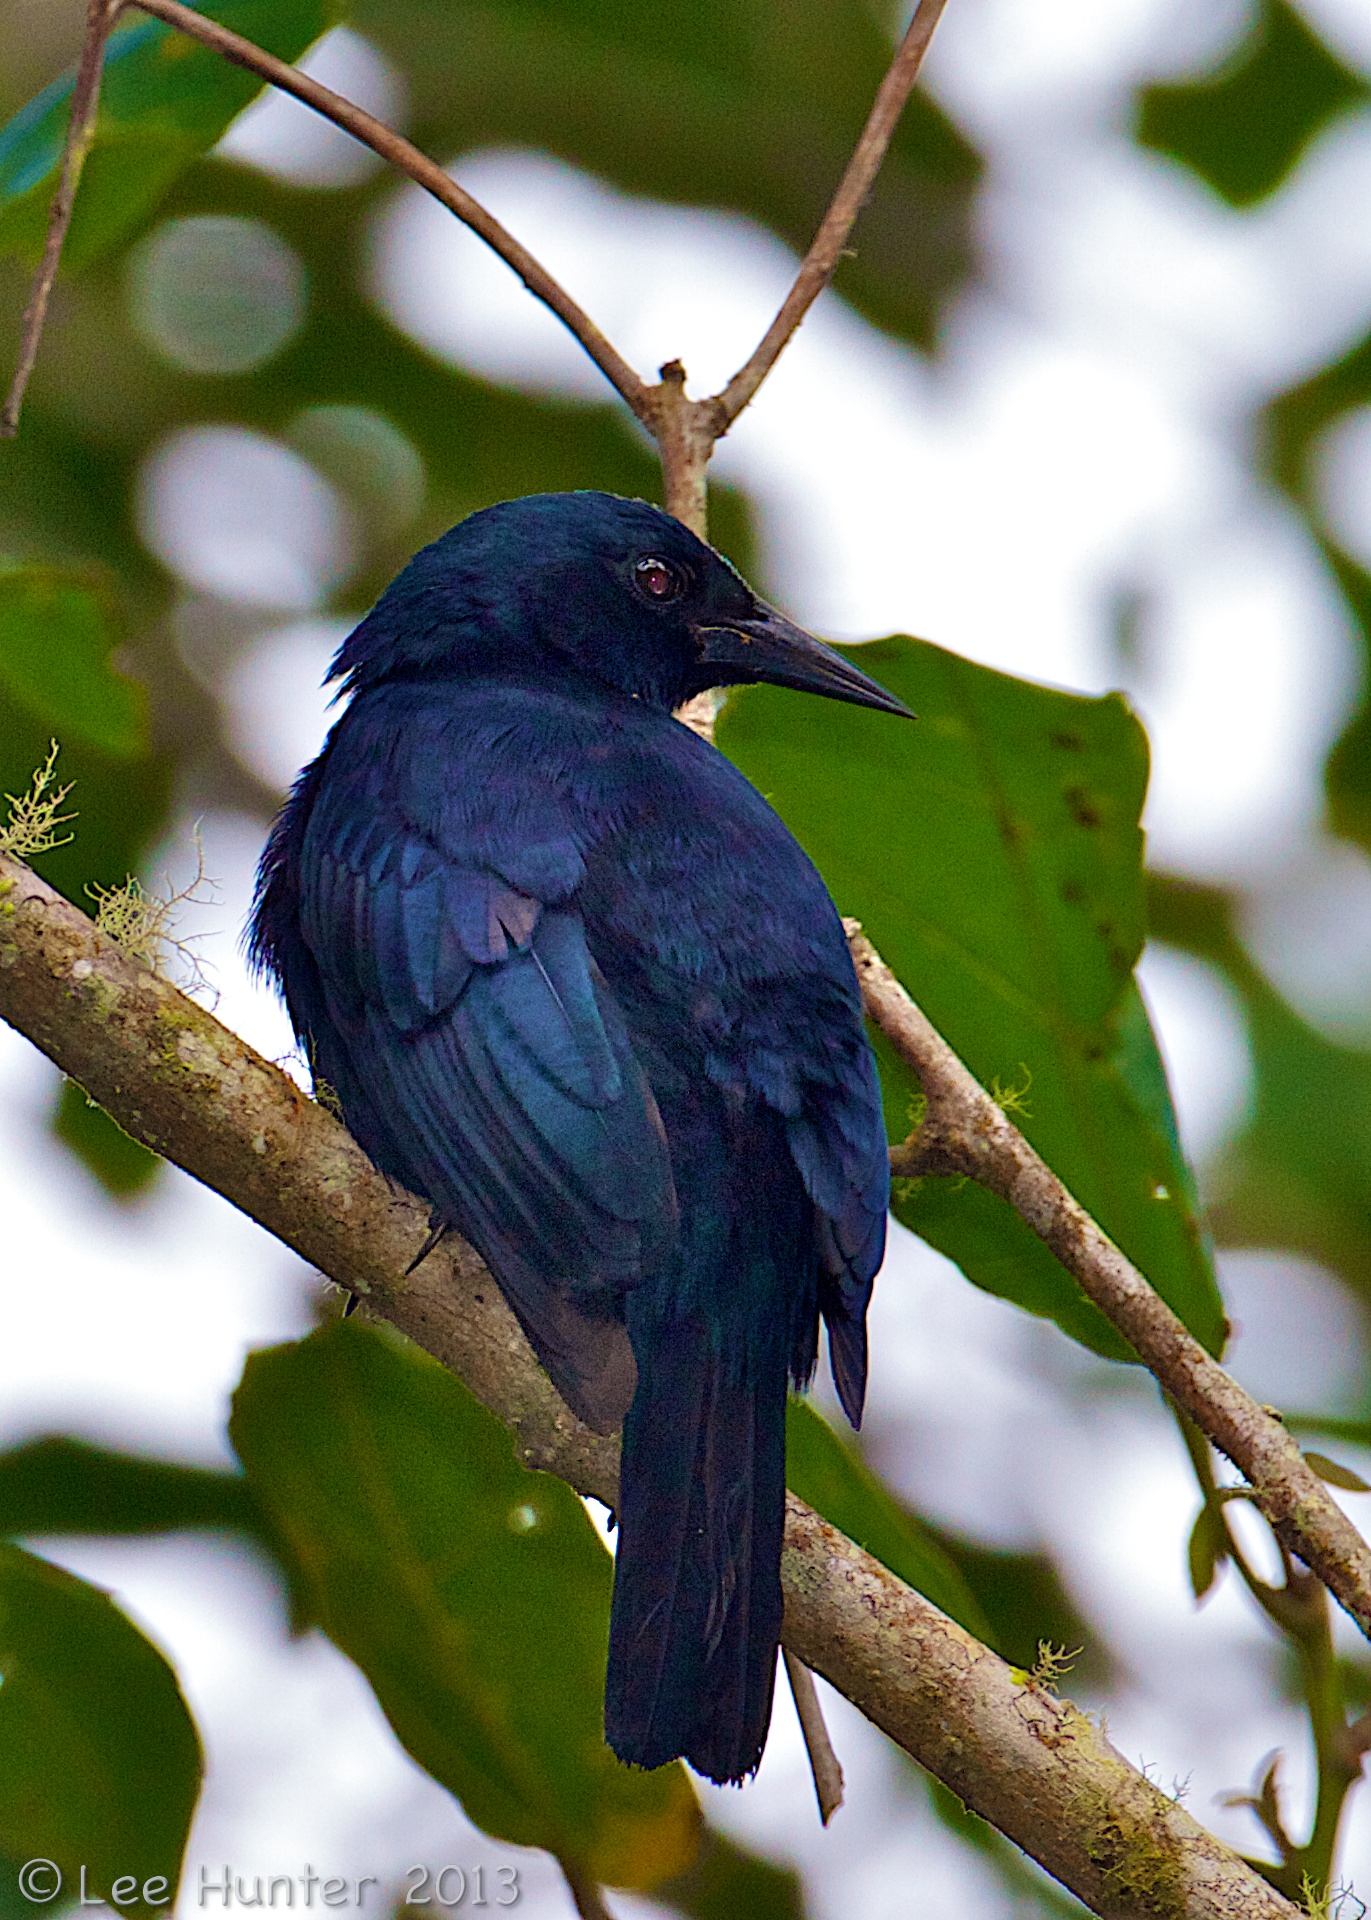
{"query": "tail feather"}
[(697, 1594)]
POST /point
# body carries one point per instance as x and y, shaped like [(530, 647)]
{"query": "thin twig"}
[(85, 104), (426, 173), (823, 1761), (965, 1132), (179, 1081), (826, 249)]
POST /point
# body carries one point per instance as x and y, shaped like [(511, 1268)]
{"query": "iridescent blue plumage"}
[(573, 981)]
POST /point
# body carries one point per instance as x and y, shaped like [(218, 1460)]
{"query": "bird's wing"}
[(498, 1064)]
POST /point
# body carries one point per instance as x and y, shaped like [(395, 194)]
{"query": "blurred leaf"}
[(56, 637), (124, 1167), (1012, 908), (1208, 1549), (1299, 1174), (120, 804), (1022, 1596), (472, 1593), (1021, 1878), (1291, 425), (60, 1485), (164, 101), (1336, 1475), (729, 104), (1244, 128), (99, 1761), (726, 1883), (832, 1478)]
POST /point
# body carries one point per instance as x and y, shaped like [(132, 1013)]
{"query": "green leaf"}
[(993, 853), (472, 1593), (99, 1761), (1244, 128), (730, 104), (124, 1167), (831, 1478), (725, 1883), (58, 1486), (1336, 1475), (1207, 1550), (56, 636), (165, 100)]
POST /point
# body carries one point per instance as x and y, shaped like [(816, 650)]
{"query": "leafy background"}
[(1092, 406)]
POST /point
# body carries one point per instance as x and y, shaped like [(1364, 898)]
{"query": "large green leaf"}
[(729, 104), (56, 636), (829, 1475), (164, 101), (99, 1761), (472, 1593), (992, 851), (1244, 128)]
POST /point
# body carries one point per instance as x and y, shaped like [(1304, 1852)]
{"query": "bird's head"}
[(616, 589)]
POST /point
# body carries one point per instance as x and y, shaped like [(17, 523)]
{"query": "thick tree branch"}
[(179, 1081), (85, 103), (965, 1132)]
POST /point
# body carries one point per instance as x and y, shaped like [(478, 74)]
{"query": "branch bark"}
[(178, 1080), (965, 1132)]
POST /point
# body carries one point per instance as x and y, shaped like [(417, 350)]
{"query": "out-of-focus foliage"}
[(1294, 424), (58, 1485), (472, 1593), (1299, 1173), (1244, 128), (164, 100), (99, 1761), (828, 1474), (724, 1882), (729, 104), (1014, 915)]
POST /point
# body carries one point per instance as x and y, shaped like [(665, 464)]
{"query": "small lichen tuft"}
[(34, 819), (141, 922)]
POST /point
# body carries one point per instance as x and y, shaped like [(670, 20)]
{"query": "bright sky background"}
[(1081, 442)]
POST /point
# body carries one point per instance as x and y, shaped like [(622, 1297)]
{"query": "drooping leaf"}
[(165, 100), (57, 1485), (1244, 128), (472, 1593), (99, 1760), (735, 105), (1207, 1549), (992, 852), (829, 1475)]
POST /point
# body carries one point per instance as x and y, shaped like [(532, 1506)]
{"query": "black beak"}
[(767, 646)]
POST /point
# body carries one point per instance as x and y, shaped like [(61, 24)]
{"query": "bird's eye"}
[(659, 579)]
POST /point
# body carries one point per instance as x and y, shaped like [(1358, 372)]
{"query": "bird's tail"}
[(697, 1594)]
